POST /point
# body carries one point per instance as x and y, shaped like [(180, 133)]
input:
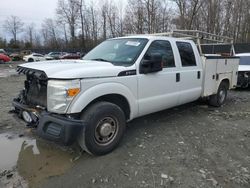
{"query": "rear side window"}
[(164, 49), (245, 60), (186, 53)]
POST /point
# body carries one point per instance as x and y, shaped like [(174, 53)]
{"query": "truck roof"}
[(153, 37), (243, 54)]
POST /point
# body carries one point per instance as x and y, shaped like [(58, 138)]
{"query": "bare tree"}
[(182, 7), (104, 13), (14, 26), (49, 32), (112, 19), (134, 19), (147, 16), (84, 23), (30, 32), (68, 12), (94, 21), (82, 9), (195, 6)]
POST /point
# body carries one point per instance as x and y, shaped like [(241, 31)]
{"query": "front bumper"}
[(53, 127)]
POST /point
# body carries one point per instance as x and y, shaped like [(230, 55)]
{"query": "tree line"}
[(80, 24)]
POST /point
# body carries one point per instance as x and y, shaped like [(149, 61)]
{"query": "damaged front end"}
[(31, 106), (32, 100)]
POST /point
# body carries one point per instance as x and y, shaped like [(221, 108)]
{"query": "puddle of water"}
[(30, 160), (10, 148), (7, 72)]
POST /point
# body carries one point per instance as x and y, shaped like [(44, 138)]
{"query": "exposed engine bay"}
[(35, 88)]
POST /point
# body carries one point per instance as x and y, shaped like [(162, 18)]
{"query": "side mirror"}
[(152, 64)]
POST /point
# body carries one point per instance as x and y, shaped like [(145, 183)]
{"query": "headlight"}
[(61, 93)]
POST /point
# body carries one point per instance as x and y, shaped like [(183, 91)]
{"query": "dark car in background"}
[(18, 56), (55, 55), (71, 56)]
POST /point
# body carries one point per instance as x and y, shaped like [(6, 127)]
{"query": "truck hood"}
[(244, 68), (73, 69)]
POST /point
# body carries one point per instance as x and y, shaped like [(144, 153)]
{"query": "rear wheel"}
[(219, 99), (105, 126)]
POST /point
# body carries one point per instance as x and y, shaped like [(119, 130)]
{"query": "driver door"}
[(159, 90)]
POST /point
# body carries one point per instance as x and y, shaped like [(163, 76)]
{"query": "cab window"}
[(186, 53), (164, 49)]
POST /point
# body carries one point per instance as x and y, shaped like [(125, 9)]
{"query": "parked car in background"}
[(82, 54), (2, 51), (54, 55), (4, 58), (18, 56), (71, 56), (34, 57), (244, 70), (48, 57)]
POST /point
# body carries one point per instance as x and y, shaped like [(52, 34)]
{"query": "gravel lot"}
[(189, 146)]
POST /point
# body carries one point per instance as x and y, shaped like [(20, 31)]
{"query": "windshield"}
[(245, 60), (121, 52)]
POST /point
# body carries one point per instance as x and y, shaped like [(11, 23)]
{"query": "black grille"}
[(36, 92), (54, 129)]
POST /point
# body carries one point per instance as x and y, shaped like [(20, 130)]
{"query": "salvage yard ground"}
[(189, 146)]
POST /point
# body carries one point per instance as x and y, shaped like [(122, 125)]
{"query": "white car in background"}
[(34, 57), (244, 70)]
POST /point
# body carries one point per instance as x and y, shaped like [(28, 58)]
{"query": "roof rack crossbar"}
[(199, 37)]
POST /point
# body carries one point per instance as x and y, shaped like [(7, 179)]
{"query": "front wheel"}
[(219, 99), (105, 125)]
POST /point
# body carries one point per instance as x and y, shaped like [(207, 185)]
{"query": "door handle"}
[(178, 77), (199, 75)]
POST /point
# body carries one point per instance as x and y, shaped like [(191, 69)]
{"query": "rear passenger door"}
[(158, 91), (190, 75)]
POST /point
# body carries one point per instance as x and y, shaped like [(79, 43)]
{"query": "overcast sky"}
[(30, 10)]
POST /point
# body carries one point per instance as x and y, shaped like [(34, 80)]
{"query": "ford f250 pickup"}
[(90, 100)]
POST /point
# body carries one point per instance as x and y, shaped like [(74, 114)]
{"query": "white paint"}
[(244, 67)]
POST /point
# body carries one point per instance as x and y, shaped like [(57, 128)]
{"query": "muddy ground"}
[(189, 146)]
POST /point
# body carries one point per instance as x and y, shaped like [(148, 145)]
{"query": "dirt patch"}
[(27, 160)]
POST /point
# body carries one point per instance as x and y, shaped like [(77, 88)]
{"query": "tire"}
[(30, 60), (219, 99), (1, 61), (105, 125)]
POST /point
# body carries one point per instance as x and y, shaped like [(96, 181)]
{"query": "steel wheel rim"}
[(222, 95), (106, 130)]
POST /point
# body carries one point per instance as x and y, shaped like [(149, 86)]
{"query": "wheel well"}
[(226, 81), (117, 99)]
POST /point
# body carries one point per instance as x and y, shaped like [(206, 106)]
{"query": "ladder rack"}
[(200, 37)]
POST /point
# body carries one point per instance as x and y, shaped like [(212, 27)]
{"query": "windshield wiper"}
[(100, 59)]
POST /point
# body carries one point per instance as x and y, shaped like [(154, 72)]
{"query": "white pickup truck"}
[(90, 100)]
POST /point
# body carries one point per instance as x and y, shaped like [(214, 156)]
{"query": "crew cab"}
[(90, 100)]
